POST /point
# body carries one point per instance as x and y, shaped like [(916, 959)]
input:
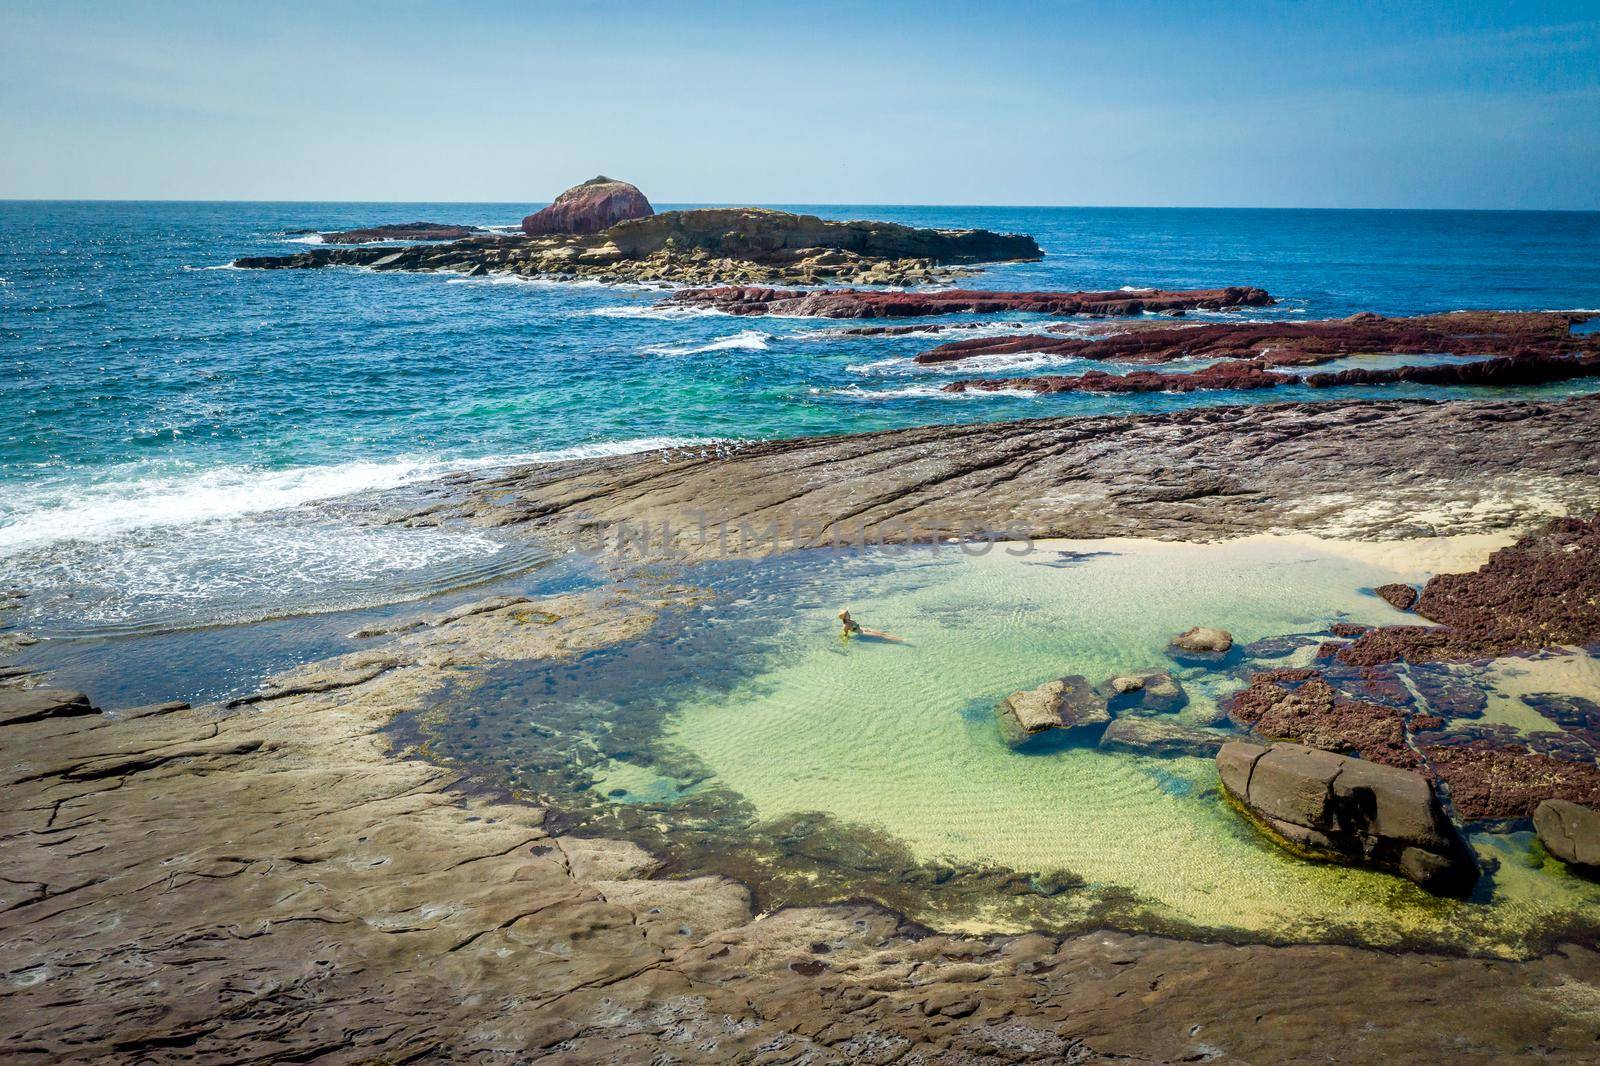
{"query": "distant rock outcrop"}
[(597, 204), (761, 234), (401, 231)]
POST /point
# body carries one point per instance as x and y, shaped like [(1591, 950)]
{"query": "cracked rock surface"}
[(1359, 469)]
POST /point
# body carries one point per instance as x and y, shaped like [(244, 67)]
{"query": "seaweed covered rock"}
[(1490, 781), (1303, 706), (597, 204), (1542, 591), (1570, 832), (1069, 705), (1345, 809), (1399, 596)]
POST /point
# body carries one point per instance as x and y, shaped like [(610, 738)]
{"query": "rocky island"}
[(605, 230)]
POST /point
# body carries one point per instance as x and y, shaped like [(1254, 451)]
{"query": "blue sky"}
[(1314, 104)]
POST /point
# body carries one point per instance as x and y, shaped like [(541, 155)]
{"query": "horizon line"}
[(672, 205)]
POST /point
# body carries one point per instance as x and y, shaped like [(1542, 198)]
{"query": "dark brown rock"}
[(18, 705), (1400, 597), (1196, 474), (1272, 344), (855, 303), (401, 231), (1334, 806), (597, 204), (1236, 374)]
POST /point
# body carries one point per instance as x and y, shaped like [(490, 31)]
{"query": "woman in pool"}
[(852, 628)]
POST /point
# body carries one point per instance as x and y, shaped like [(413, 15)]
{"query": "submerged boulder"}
[(1570, 832), (1336, 807), (597, 204), (1159, 736), (1203, 639), (1152, 691), (1068, 704)]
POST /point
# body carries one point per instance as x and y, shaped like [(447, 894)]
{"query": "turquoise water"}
[(741, 735), (165, 420)]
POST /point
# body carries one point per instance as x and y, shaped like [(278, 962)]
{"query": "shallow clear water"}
[(147, 393), (748, 713)]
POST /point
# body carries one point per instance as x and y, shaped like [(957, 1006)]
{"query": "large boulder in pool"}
[(1328, 806), (597, 204), (1068, 706), (1571, 833)]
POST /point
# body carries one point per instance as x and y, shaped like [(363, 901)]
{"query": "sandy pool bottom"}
[(901, 739)]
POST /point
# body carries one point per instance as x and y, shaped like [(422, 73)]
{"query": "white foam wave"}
[(557, 283), (652, 311), (65, 510), (920, 392), (749, 340), (305, 238), (242, 569), (977, 364)]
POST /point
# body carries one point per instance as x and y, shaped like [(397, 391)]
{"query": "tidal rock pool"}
[(743, 735)]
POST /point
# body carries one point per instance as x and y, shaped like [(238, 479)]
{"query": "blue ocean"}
[(174, 429)]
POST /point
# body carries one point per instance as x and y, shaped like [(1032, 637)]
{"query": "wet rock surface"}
[(1400, 597), (1333, 805), (1148, 691), (703, 247), (597, 204), (853, 303), (1312, 712)]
